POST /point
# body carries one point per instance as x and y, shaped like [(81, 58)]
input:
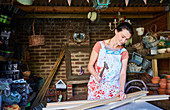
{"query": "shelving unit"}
[(2, 58), (158, 56)]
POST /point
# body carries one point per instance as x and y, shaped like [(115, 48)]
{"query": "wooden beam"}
[(43, 90), (64, 9), (77, 82), (155, 67), (117, 104), (168, 20), (68, 103), (159, 56), (105, 101), (153, 98), (102, 16)]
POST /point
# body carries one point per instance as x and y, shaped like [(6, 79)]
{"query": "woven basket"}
[(147, 43), (36, 40)]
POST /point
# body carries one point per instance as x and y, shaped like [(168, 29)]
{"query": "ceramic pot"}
[(168, 85), (168, 91), (155, 80), (151, 92), (168, 76), (168, 80), (163, 80), (162, 91), (140, 31), (162, 85), (26, 73)]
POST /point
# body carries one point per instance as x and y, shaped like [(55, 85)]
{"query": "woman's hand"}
[(98, 78), (122, 95)]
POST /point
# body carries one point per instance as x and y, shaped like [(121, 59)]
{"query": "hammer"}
[(105, 66)]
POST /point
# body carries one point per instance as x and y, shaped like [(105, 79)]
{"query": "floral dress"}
[(109, 85)]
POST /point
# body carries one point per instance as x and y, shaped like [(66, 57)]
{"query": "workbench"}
[(129, 106), (134, 101), (132, 106)]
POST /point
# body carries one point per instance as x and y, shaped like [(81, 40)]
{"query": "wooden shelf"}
[(166, 33), (2, 58), (159, 56)]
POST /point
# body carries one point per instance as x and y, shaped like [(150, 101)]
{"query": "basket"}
[(149, 40), (36, 40)]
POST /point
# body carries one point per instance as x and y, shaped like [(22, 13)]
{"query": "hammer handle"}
[(102, 71)]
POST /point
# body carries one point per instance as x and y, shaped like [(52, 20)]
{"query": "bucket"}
[(146, 64), (25, 2)]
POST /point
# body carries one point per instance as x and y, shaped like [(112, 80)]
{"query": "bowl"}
[(168, 49), (162, 50), (26, 73)]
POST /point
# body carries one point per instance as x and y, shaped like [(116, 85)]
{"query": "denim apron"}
[(109, 85)]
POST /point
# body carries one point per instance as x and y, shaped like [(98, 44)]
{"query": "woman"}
[(111, 52)]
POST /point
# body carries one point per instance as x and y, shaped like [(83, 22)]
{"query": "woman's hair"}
[(125, 25)]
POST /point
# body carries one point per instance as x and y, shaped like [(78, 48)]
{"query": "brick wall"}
[(58, 32)]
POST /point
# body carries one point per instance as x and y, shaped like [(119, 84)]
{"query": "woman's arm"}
[(123, 78), (93, 58)]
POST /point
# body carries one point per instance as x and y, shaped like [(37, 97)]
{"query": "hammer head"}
[(105, 65)]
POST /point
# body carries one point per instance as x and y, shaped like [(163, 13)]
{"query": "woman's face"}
[(122, 37)]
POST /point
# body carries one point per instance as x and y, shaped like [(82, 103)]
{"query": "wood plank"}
[(153, 99), (105, 101), (70, 9), (102, 16), (2, 58), (168, 20), (43, 90), (128, 100), (77, 82), (159, 56), (68, 103), (155, 67)]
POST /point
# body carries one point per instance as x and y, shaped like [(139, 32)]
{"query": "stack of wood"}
[(105, 104)]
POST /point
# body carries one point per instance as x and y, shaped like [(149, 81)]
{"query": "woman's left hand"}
[(122, 96)]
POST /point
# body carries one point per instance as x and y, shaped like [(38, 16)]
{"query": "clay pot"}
[(162, 91), (163, 80), (155, 80), (26, 73), (168, 80), (168, 76), (168, 85), (168, 91), (162, 83), (151, 92)]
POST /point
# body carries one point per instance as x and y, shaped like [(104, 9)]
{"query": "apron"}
[(109, 85)]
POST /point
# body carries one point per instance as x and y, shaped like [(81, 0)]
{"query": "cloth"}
[(109, 85), (97, 48)]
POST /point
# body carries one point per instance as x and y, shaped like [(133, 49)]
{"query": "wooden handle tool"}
[(105, 66)]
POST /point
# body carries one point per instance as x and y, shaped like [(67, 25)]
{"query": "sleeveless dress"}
[(109, 85)]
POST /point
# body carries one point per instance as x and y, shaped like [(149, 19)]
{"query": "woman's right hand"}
[(98, 78)]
